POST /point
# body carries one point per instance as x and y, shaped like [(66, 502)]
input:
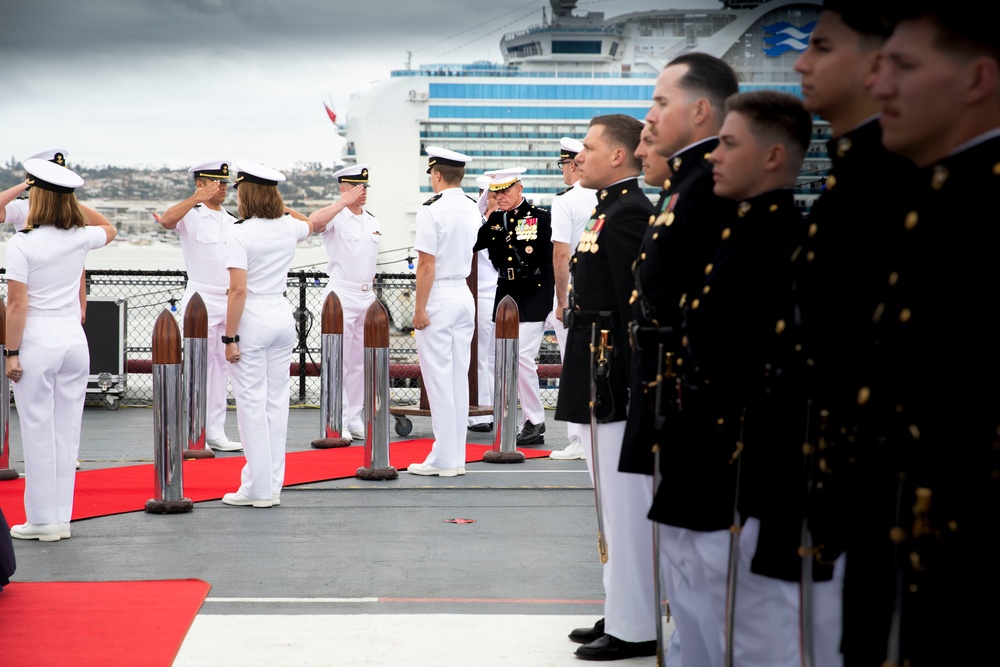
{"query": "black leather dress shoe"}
[(587, 635), (482, 428), (531, 434), (612, 648)]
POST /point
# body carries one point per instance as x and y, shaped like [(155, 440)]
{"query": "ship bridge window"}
[(614, 49), (586, 48)]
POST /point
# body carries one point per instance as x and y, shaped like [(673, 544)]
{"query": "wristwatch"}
[(227, 340), (11, 353)]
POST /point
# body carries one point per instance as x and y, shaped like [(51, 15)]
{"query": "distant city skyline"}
[(170, 83)]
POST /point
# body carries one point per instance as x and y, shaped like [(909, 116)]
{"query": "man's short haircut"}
[(863, 18), (961, 26), (775, 117), (622, 131), (449, 173), (708, 77)]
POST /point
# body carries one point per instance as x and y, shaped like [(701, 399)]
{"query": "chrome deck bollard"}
[(505, 386), (377, 396), (6, 472), (168, 420), (195, 377), (331, 403)]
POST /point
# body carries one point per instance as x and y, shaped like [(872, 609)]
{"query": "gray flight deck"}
[(346, 547)]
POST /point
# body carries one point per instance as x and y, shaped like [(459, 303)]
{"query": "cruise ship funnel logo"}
[(782, 37)]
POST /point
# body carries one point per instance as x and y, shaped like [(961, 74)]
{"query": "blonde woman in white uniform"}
[(351, 236), (445, 315), (47, 354), (260, 329)]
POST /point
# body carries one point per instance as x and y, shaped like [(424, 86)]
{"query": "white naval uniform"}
[(17, 214), (55, 360), (446, 228), (352, 243), (201, 232), (265, 248), (486, 275), (571, 211)]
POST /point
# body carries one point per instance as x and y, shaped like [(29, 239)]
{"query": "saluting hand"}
[(14, 368), (352, 196), (207, 191)]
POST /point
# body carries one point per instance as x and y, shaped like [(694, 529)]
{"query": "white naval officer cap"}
[(483, 182), (48, 175), (56, 155), (504, 178), (569, 147), (356, 174), (254, 172), (216, 169), (443, 156)]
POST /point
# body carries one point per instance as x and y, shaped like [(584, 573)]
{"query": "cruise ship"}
[(553, 79)]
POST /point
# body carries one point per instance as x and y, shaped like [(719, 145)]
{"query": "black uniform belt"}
[(515, 274), (578, 319), (648, 339)]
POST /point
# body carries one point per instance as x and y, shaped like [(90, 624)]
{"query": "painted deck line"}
[(380, 640)]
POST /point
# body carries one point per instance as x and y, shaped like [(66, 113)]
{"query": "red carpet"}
[(137, 623), (126, 489)]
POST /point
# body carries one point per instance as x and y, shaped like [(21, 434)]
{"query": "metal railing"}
[(146, 294)]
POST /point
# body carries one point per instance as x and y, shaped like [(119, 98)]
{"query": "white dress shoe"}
[(224, 445), (424, 469), (241, 500), (357, 435), (64, 533), (77, 465), (275, 500), (574, 450), (43, 532)]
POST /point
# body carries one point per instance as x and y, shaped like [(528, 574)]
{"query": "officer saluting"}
[(201, 222), (519, 239), (351, 235)]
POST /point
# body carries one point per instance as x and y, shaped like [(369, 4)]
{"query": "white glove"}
[(484, 199)]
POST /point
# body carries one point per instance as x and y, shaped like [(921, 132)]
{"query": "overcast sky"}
[(177, 82)]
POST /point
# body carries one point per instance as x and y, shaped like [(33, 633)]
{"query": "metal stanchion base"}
[(154, 506), (494, 456), (330, 443), (198, 454), (8, 473), (377, 473)]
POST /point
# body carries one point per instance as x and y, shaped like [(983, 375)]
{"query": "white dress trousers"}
[(529, 340), (694, 567), (629, 606), (50, 396), (444, 348), (260, 378), (354, 300), (767, 623), (485, 356)]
